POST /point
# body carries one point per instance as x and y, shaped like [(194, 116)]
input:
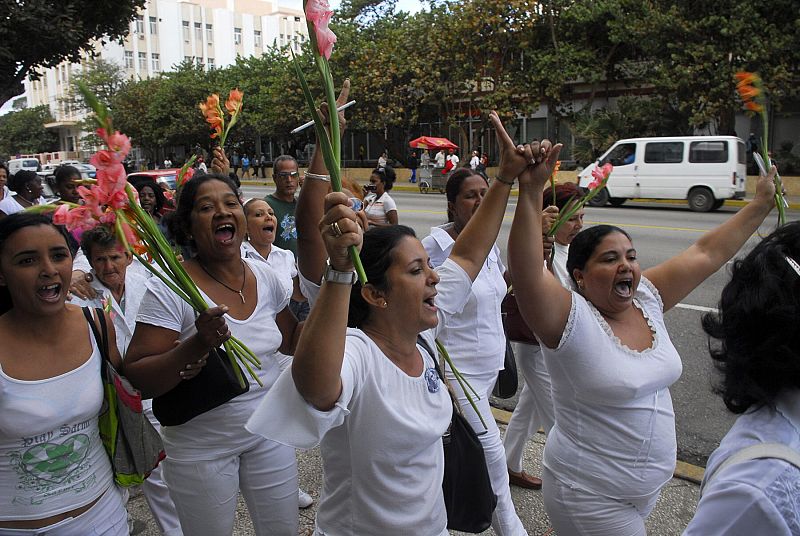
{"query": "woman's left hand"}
[(765, 186), (513, 159)]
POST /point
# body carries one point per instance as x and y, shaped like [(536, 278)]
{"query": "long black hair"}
[(376, 257), (10, 225), (757, 348)]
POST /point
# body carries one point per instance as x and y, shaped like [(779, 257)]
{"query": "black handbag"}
[(468, 495), (215, 385), (507, 379)]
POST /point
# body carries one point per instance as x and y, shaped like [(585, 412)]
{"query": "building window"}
[(156, 61), (128, 59), (283, 40), (186, 31), (153, 26), (257, 37), (198, 32), (237, 36), (140, 24), (142, 61), (297, 19), (209, 33), (187, 59), (210, 64)]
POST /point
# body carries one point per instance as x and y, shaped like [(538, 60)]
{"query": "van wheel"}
[(617, 201), (717, 204), (600, 199), (701, 199)]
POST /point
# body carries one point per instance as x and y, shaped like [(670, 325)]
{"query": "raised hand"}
[(513, 159), (340, 100), (340, 229), (539, 170), (220, 164)]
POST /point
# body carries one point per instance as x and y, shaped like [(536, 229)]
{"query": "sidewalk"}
[(672, 513)]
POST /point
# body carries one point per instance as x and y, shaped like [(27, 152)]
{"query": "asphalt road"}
[(659, 231)]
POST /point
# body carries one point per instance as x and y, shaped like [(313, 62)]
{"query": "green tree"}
[(104, 79), (24, 132), (38, 34)]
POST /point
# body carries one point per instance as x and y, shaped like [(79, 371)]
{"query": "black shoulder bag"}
[(468, 495)]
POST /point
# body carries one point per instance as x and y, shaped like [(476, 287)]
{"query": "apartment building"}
[(168, 32)]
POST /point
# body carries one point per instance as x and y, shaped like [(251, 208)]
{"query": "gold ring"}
[(220, 334), (335, 230)]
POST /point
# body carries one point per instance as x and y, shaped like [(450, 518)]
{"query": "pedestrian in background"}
[(381, 209), (236, 163), (413, 163), (245, 166)]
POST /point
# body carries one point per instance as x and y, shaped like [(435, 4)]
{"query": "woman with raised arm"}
[(610, 358), (370, 394)]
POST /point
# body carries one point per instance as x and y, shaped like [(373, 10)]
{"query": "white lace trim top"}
[(615, 425)]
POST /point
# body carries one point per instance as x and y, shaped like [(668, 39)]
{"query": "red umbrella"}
[(427, 142)]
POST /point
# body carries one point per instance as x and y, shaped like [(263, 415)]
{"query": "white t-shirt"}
[(474, 162), (755, 496), (10, 206), (381, 161), (440, 157), (221, 430), (453, 158), (280, 260), (472, 330), (381, 443), (51, 457), (560, 265), (378, 207), (615, 426)]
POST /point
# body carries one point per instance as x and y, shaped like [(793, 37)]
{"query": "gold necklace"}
[(240, 292)]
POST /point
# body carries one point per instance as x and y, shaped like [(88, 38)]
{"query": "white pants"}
[(205, 492), (577, 512), (535, 406), (107, 517), (157, 495), (505, 521)]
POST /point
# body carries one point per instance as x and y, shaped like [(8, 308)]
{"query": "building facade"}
[(166, 33)]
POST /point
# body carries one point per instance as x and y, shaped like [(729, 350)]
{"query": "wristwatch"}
[(340, 278)]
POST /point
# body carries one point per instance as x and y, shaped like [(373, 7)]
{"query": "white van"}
[(17, 164), (705, 170)]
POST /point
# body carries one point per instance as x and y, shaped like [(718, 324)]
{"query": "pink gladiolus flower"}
[(108, 217), (117, 142), (79, 220), (111, 179), (106, 159), (118, 200), (319, 13), (93, 198), (61, 214)]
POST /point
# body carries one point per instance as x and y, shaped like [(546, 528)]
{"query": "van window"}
[(667, 152), (621, 155), (742, 153), (708, 152), (31, 163)]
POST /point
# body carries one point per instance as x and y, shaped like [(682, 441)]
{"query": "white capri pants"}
[(107, 517), (535, 406), (505, 521), (205, 492), (156, 493), (577, 512)]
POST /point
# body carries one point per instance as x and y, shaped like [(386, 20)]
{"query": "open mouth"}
[(430, 302), (49, 293), (269, 229), (624, 288), (224, 233)]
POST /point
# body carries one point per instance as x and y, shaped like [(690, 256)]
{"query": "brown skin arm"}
[(290, 329)]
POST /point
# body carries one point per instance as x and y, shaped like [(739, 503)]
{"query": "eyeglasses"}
[(287, 174)]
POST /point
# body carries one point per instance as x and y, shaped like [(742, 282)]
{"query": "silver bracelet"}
[(326, 178), (504, 181)]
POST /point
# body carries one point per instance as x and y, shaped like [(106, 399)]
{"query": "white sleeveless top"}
[(51, 457)]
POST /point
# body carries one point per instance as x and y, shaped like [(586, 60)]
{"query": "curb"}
[(683, 470), (515, 192)]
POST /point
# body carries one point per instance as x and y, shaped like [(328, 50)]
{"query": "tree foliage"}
[(23, 132), (42, 33)]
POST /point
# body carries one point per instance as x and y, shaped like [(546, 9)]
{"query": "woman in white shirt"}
[(473, 334), (55, 475), (211, 457), (27, 188), (534, 407), (371, 394), (610, 359), (380, 208), (4, 191), (757, 351)]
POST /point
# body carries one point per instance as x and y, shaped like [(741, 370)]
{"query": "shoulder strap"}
[(101, 339), (777, 451)]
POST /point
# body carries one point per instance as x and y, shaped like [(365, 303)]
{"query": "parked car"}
[(28, 164), (159, 176), (704, 170)]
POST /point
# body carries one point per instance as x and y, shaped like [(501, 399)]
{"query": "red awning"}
[(426, 142)]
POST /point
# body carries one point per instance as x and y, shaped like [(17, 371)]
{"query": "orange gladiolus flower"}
[(748, 92), (753, 106), (745, 77), (234, 102)]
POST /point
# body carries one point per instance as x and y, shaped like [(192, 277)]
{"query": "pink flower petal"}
[(319, 14)]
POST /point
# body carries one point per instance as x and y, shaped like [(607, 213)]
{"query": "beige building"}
[(168, 32)]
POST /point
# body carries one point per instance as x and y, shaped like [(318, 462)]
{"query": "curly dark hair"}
[(757, 349), (178, 222), (376, 257)]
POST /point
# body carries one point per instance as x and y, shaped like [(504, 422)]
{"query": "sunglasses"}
[(286, 174)]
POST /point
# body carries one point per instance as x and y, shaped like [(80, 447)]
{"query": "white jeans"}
[(205, 492), (535, 406), (157, 495), (577, 512), (106, 518), (505, 521)]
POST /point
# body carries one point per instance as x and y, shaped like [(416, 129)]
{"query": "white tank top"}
[(51, 457)]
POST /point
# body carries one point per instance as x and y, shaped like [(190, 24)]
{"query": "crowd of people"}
[(345, 365)]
